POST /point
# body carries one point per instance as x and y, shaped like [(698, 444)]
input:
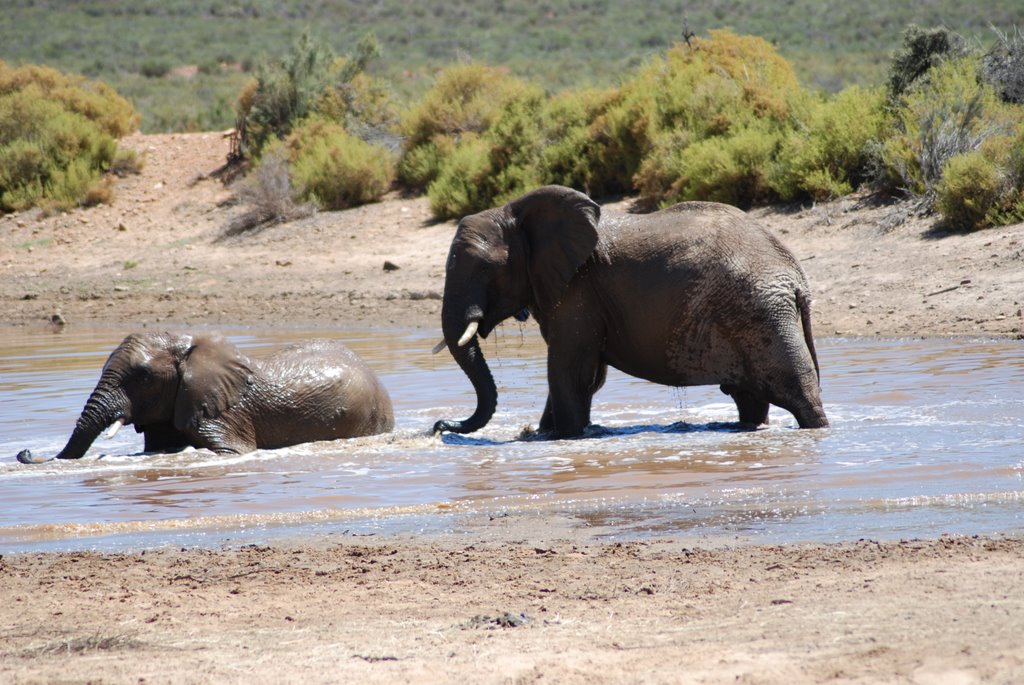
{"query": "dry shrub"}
[(268, 195)]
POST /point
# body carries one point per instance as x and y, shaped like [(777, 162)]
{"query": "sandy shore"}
[(503, 606), (519, 599)]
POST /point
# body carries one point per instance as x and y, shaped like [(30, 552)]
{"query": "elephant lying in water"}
[(182, 390), (694, 294)]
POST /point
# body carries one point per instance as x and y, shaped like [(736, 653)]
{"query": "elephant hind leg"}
[(810, 414), (753, 409), (803, 401)]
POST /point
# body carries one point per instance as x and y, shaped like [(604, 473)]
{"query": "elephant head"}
[(504, 260), (164, 384)]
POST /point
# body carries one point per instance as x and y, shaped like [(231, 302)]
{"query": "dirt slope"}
[(158, 255)]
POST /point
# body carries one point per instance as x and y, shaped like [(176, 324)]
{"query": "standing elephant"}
[(182, 390), (695, 294)]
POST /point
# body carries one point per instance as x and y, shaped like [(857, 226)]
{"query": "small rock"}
[(390, 266), (57, 319), (416, 295)]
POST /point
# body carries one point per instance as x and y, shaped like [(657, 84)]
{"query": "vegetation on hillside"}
[(722, 117), (183, 63)]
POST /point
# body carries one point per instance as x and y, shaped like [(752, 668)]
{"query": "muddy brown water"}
[(927, 438)]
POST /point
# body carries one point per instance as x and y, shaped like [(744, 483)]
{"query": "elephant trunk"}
[(106, 405), (457, 328)]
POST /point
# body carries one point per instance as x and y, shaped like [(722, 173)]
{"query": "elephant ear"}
[(560, 225), (214, 375)]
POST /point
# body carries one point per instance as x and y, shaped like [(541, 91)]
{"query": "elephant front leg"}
[(572, 383), (547, 419)]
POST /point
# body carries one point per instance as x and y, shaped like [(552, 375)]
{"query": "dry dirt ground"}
[(504, 609), (158, 254), (516, 600)]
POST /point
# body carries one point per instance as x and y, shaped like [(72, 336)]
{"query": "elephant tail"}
[(803, 303)]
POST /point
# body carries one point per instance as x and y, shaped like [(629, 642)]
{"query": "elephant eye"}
[(143, 374)]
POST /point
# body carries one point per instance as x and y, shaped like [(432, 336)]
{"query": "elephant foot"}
[(26, 457)]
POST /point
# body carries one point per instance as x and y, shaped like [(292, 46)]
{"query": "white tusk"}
[(470, 332), (114, 427), (438, 347)]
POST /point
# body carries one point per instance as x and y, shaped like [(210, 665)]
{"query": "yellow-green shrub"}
[(52, 154), (984, 187), (489, 169), (706, 121), (969, 188), (336, 169), (94, 100), (734, 169), (465, 99), (570, 146), (830, 154), (311, 81), (948, 114), (458, 188)]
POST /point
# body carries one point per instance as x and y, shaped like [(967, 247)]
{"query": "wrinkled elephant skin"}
[(695, 294), (201, 391)]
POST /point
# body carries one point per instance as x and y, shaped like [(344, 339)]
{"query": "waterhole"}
[(927, 438)]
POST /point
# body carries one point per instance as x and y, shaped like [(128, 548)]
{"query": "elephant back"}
[(324, 387)]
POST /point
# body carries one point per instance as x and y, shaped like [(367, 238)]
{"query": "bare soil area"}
[(158, 255), (517, 599), (501, 608)]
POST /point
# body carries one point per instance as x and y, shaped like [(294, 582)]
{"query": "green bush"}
[(309, 81), (283, 93), (949, 115), (831, 153), (570, 145), (734, 169), (154, 69), (730, 98), (968, 191), (707, 121), (336, 169), (363, 104), (465, 99), (56, 138), (922, 50), (497, 165), (984, 187), (94, 100), (458, 188)]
